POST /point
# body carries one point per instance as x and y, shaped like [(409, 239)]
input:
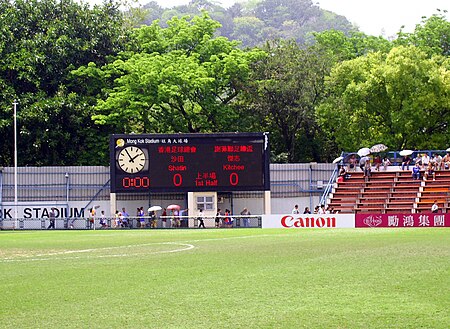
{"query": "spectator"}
[(103, 223), (343, 175), (125, 216), (217, 219), (430, 171), (228, 221), (416, 171), (153, 219), (307, 211), (352, 163), (446, 161), (321, 210), (405, 162), (425, 160), (246, 220), (435, 207), (141, 216), (437, 161), (377, 162), (51, 217), (386, 163), (164, 217), (91, 218), (200, 219), (367, 169), (362, 163), (116, 219), (295, 211)]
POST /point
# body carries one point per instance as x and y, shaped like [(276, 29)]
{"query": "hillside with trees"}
[(81, 73), (253, 22)]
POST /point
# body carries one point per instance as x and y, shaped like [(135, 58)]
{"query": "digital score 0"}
[(189, 162)]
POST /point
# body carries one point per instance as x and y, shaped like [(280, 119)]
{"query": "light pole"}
[(15, 163), (67, 198)]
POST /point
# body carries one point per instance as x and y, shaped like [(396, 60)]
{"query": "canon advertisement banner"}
[(309, 221), (403, 220)]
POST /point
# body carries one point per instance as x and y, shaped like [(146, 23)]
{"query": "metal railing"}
[(162, 222)]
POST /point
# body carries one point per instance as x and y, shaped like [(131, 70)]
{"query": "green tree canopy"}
[(284, 89), (40, 43), (176, 79), (401, 99)]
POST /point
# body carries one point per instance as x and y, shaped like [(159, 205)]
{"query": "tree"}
[(175, 79), (40, 43), (344, 46), (284, 89), (432, 36), (401, 99)]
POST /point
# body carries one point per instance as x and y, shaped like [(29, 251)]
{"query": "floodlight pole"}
[(15, 163)]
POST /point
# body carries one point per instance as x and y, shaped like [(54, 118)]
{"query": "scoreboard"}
[(189, 162)]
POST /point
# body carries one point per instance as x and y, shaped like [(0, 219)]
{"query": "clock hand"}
[(132, 159), (129, 156)]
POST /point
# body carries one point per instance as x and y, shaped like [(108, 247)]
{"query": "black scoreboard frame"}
[(223, 162)]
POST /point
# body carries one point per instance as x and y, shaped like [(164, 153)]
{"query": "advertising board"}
[(308, 221), (403, 220)]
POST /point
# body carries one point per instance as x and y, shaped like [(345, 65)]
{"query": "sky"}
[(374, 17)]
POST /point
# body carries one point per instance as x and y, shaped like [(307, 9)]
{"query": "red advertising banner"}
[(402, 220)]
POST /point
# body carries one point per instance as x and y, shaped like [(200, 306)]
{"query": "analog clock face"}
[(131, 159)]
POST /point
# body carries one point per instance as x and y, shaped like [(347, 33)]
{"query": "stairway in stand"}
[(434, 190), (390, 192)]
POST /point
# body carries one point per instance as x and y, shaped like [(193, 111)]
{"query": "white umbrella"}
[(405, 152), (364, 151), (173, 207), (154, 208), (378, 148), (338, 159)]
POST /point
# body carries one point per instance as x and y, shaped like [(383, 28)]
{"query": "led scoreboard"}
[(189, 162)]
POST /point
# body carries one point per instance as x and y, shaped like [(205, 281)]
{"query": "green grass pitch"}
[(226, 278)]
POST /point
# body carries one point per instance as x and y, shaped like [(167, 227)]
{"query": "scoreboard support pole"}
[(113, 203), (267, 204)]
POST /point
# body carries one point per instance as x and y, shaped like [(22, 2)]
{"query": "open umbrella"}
[(364, 151), (378, 148), (405, 152), (338, 159), (154, 208), (173, 207)]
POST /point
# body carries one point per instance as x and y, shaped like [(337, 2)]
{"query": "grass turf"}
[(236, 278)]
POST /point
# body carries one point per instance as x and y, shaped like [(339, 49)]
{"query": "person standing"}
[(200, 219), (141, 215), (52, 218), (164, 217), (217, 219), (435, 207), (125, 219), (295, 211), (91, 218), (153, 219), (103, 222), (246, 220)]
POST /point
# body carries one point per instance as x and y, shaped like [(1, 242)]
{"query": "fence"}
[(162, 222)]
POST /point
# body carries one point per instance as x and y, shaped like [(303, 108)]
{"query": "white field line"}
[(87, 255), (185, 246)]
